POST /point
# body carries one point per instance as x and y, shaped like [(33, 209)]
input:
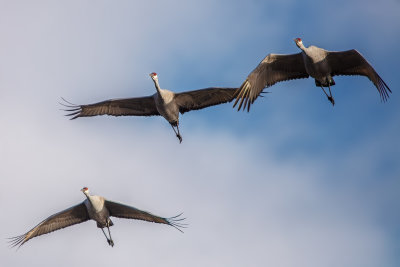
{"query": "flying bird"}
[(95, 208), (164, 102), (312, 61)]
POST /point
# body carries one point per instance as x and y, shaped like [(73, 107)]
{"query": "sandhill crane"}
[(313, 61), (164, 102), (96, 208)]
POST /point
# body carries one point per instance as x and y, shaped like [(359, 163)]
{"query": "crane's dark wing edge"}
[(137, 106), (351, 62), (74, 215), (272, 69), (123, 211), (202, 98)]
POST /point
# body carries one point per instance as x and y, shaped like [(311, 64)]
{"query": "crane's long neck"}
[(157, 86), (89, 197), (302, 47), (164, 95), (96, 202)]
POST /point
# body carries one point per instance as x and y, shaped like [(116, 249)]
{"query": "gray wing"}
[(123, 211), (202, 98), (138, 106), (65, 218), (272, 69), (351, 62)]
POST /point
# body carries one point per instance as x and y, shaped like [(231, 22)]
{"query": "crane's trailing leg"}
[(179, 135), (109, 241), (173, 125), (108, 224), (330, 98)]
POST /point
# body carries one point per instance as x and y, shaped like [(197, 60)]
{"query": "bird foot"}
[(330, 98), (110, 242), (179, 137)]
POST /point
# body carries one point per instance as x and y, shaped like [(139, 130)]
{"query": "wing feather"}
[(272, 69), (202, 98), (74, 215), (123, 211), (138, 106), (351, 62)]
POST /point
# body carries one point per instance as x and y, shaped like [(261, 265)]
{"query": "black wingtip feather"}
[(74, 105), (74, 110), (17, 241), (175, 222), (383, 89)]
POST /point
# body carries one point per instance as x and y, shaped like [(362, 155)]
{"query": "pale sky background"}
[(295, 182)]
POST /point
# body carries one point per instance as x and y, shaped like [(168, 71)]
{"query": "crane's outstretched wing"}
[(123, 211), (138, 106), (351, 62), (272, 69), (65, 218), (202, 98)]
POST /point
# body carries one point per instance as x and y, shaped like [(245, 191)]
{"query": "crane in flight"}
[(95, 208), (312, 61), (163, 103)]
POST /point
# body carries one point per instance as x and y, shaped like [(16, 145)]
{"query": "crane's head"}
[(153, 75), (298, 42), (85, 190)]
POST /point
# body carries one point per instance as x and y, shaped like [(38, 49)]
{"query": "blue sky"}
[(295, 182)]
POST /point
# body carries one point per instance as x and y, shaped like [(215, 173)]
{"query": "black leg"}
[(177, 132), (108, 240), (324, 91), (330, 98)]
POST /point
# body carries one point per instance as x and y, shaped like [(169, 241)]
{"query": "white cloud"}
[(242, 205)]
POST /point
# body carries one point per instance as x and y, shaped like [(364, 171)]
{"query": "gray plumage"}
[(313, 61), (95, 208), (163, 103)]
